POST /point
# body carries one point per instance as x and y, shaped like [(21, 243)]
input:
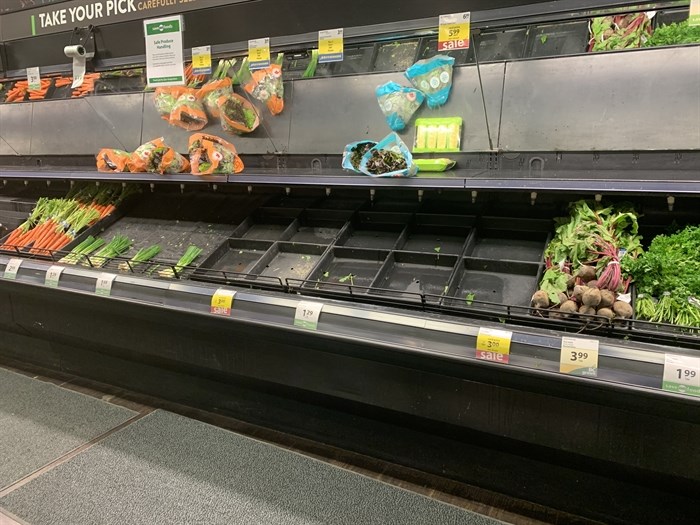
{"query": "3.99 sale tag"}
[(493, 345), (222, 302)]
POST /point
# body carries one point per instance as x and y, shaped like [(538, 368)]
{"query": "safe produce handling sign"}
[(64, 16), (164, 64)]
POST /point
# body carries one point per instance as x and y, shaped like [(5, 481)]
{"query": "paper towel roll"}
[(77, 53)]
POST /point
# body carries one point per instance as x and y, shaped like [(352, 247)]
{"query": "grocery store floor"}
[(74, 451)]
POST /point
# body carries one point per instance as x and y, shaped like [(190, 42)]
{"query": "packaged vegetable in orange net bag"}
[(210, 155), (210, 92), (165, 98), (237, 114), (266, 86), (112, 160), (156, 156), (188, 113)]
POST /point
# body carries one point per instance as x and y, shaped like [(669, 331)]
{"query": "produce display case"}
[(409, 271)]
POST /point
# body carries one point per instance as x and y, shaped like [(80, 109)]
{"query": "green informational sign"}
[(164, 62)]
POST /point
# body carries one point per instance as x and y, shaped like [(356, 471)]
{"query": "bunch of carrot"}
[(54, 223), (18, 92), (192, 80), (88, 85)]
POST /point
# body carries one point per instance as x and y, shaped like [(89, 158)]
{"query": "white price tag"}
[(682, 374), (53, 275), (33, 78), (104, 284), (222, 302), (12, 268), (579, 356), (493, 345), (307, 315)]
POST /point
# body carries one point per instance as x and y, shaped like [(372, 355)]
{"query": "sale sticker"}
[(694, 18), (453, 32), (330, 45), (493, 345), (12, 268), (307, 315), (579, 356), (222, 302), (201, 60), (682, 374), (259, 53), (53, 275), (104, 284)]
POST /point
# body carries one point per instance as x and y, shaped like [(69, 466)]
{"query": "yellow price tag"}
[(201, 60), (493, 345), (453, 32), (579, 356), (330, 45), (694, 18), (222, 302), (259, 53)]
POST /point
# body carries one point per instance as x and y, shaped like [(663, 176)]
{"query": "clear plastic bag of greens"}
[(438, 135), (398, 103), (353, 153), (156, 156), (389, 158), (165, 98), (433, 76)]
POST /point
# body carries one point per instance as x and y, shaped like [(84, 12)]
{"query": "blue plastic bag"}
[(398, 103), (353, 153), (433, 76), (388, 152)]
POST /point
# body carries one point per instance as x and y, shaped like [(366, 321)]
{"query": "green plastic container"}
[(434, 164), (438, 135)]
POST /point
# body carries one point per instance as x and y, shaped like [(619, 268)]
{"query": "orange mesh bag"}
[(188, 113), (210, 92), (266, 86), (237, 114), (212, 155), (112, 160)]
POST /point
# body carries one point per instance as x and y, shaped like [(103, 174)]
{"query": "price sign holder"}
[(103, 286), (53, 275), (682, 374), (259, 53), (201, 60), (330, 46), (694, 18), (307, 314), (579, 356), (11, 269), (222, 302), (33, 78), (453, 32), (493, 345)]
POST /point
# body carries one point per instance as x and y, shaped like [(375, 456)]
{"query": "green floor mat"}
[(166, 469), (39, 422)]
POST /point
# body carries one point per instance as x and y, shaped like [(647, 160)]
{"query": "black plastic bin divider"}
[(294, 201), (440, 234), (288, 260), (268, 224), (372, 231), (508, 283), (392, 205), (318, 226), (413, 274), (237, 256), (341, 203), (347, 266), (502, 238), (558, 39)]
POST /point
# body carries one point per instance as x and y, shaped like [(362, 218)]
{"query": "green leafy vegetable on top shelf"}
[(553, 282), (674, 34), (667, 276), (619, 32), (142, 256), (543, 38)]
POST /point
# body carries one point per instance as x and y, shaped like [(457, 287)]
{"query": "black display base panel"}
[(580, 486)]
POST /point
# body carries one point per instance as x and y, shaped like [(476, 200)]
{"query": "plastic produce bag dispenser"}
[(80, 48)]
